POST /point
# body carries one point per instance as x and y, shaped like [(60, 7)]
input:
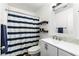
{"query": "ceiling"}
[(28, 6)]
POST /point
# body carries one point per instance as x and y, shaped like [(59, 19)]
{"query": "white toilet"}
[(34, 51)]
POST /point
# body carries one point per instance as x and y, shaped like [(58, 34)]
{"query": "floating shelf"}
[(43, 22), (43, 30)]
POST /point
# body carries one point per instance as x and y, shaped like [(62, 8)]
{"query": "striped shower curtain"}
[(22, 33)]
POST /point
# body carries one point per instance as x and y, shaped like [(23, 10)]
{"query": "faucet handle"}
[(54, 37)]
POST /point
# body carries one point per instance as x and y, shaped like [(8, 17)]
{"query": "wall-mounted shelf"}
[(43, 30), (43, 22)]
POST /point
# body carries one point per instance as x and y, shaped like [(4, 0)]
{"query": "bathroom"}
[(39, 29)]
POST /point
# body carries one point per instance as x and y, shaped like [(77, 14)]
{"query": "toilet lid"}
[(34, 49)]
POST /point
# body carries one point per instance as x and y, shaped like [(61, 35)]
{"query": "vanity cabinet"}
[(47, 49), (50, 50), (42, 48)]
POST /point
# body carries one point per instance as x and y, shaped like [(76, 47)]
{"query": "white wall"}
[(46, 13), (3, 13), (65, 19), (76, 20)]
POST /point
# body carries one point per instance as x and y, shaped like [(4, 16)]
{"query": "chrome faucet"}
[(56, 37)]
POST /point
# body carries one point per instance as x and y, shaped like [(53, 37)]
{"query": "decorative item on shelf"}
[(43, 22), (43, 30)]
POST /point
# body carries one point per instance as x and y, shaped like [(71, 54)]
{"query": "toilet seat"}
[(34, 50)]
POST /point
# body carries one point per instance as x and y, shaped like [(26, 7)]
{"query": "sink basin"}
[(69, 39)]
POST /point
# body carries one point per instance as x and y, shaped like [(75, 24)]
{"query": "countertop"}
[(66, 46)]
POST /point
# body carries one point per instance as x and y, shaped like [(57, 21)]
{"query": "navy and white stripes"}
[(23, 33)]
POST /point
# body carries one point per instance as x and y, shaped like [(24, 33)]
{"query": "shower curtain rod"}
[(21, 13)]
